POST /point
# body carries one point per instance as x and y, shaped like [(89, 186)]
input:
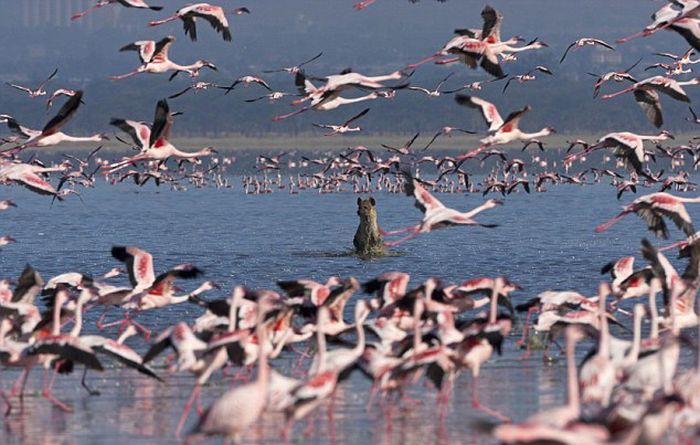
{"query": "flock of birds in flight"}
[(626, 391)]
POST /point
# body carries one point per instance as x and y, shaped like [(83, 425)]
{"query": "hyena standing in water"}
[(368, 239)]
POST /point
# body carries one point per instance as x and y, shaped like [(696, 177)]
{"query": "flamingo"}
[(154, 59), (294, 69), (159, 147), (215, 15), (434, 92), (500, 131), (646, 93), (247, 80), (446, 131), (345, 126), (435, 214), (141, 4), (234, 412), (627, 145), (35, 92), (51, 134), (653, 208), (585, 41), (60, 92), (527, 77), (615, 76)]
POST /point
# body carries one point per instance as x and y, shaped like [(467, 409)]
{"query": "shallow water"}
[(544, 241)]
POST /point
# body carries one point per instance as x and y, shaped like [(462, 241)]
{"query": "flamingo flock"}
[(629, 389)]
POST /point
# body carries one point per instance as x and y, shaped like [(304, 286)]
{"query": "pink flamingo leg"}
[(447, 61), (160, 22), (396, 232), (606, 225), (288, 115), (477, 405), (183, 417), (681, 244), (526, 334), (124, 76), (401, 240), (472, 153), (424, 61), (87, 11), (363, 4), (48, 393), (610, 96)]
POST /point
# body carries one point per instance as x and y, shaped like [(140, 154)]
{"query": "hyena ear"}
[(359, 201), (371, 200)]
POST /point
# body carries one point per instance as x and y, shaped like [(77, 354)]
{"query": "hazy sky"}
[(384, 37)]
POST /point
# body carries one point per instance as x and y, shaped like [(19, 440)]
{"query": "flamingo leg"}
[(160, 22), (18, 387), (472, 153), (401, 240), (363, 4), (526, 335), (83, 383), (87, 11), (124, 76), (477, 404), (424, 61), (288, 115), (606, 225), (396, 232), (446, 61), (610, 96), (183, 417), (48, 392)]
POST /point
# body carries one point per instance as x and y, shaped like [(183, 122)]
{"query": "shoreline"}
[(311, 143)]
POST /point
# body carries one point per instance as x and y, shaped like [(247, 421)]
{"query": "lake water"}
[(544, 241)]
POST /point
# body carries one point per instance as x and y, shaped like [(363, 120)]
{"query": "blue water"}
[(544, 241)]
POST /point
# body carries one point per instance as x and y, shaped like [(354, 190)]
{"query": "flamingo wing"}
[(649, 101), (139, 264), (64, 115), (425, 201), (488, 110)]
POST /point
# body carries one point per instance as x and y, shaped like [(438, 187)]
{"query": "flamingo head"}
[(665, 134), (203, 63)]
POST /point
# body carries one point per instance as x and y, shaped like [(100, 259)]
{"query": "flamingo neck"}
[(535, 135), (493, 314), (360, 330), (633, 354), (78, 325), (654, 316), (604, 340), (59, 299)]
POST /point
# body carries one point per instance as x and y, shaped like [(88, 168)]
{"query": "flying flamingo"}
[(628, 146), (585, 41), (435, 214), (159, 147), (215, 15), (653, 208), (154, 59), (615, 76), (344, 127), (446, 131), (500, 131), (127, 3), (294, 69), (51, 134), (35, 92)]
